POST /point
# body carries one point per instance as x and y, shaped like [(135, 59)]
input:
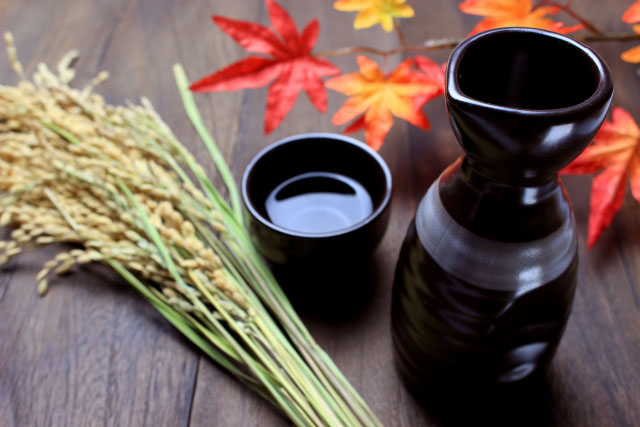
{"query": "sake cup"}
[(316, 197), (316, 206)]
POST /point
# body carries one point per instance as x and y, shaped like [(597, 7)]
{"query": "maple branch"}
[(448, 43), (597, 35), (403, 41), (566, 8), (610, 37), (429, 45)]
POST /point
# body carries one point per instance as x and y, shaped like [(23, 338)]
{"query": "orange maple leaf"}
[(614, 151), (514, 13), (373, 12), (632, 16), (376, 98)]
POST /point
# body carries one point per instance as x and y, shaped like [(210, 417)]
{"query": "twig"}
[(429, 45), (448, 43), (612, 37), (403, 41), (569, 11)]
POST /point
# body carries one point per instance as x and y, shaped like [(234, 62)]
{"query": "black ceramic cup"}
[(312, 246)]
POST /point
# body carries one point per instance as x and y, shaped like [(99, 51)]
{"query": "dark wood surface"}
[(93, 353)]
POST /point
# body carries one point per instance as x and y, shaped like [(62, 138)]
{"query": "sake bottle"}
[(487, 273)]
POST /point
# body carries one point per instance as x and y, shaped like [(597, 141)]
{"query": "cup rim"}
[(456, 95), (317, 135)]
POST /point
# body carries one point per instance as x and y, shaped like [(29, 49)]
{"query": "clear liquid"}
[(318, 202)]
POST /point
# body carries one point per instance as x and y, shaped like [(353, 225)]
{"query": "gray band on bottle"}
[(501, 266)]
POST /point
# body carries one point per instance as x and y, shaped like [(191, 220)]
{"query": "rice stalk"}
[(114, 182)]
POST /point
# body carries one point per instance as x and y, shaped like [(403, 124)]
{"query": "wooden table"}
[(94, 353)]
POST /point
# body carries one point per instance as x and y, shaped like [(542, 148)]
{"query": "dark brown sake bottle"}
[(487, 272)]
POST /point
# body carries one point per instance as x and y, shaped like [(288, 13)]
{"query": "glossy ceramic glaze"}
[(306, 260), (487, 273)]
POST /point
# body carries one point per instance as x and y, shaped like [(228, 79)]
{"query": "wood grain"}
[(93, 353)]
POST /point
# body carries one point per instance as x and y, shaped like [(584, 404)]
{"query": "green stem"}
[(62, 132), (292, 411), (216, 155), (256, 272), (265, 358)]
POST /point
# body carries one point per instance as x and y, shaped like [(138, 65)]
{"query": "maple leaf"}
[(614, 151), (632, 55), (290, 64), (514, 13), (632, 16), (373, 12), (433, 72), (376, 98)]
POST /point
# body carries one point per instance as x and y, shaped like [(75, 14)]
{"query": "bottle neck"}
[(509, 177), (501, 210)]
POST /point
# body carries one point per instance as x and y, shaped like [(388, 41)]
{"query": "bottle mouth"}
[(526, 70)]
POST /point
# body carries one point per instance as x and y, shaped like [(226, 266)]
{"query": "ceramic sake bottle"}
[(487, 272)]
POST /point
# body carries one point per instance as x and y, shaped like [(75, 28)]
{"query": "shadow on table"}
[(524, 405), (335, 293)]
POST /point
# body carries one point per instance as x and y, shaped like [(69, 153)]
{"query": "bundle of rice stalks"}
[(116, 183)]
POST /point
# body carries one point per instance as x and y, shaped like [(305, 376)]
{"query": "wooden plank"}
[(91, 352)]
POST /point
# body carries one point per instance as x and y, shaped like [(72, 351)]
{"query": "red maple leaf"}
[(433, 72), (290, 64), (614, 151)]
